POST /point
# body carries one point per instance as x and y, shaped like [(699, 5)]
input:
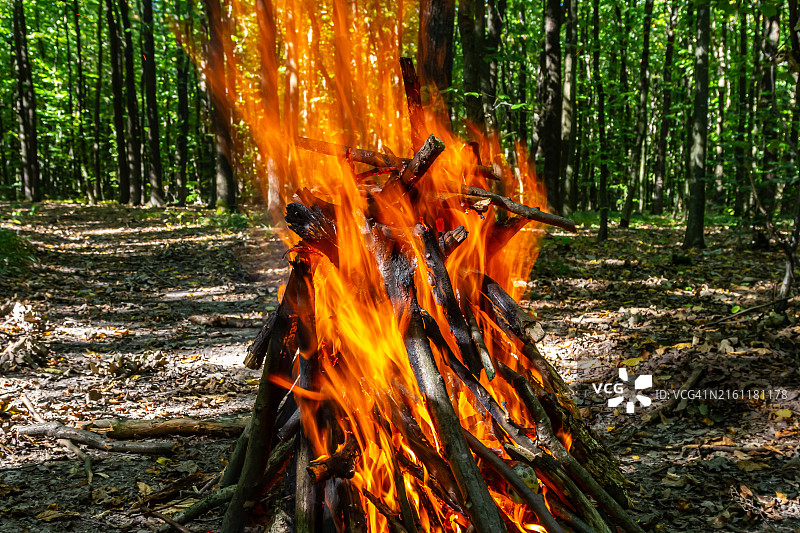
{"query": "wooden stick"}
[(395, 522), (534, 500), (212, 501), (449, 240), (530, 213), (315, 228), (414, 100), (481, 509), (57, 430), (139, 429), (169, 521), (66, 443), (416, 168), (258, 348), (446, 297), (341, 464), (744, 312), (548, 439), (477, 338), (265, 409)]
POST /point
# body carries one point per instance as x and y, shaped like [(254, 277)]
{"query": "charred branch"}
[(415, 169), (449, 240), (446, 297), (530, 213), (534, 500), (315, 228), (341, 464)]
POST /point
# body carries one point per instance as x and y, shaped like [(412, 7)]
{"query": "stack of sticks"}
[(584, 487)]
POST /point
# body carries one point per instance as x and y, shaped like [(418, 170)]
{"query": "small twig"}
[(744, 312), (667, 408), (172, 523), (58, 430)]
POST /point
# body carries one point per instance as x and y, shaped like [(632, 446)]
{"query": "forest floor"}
[(110, 310)]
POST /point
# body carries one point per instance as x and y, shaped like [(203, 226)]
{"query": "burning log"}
[(340, 464)]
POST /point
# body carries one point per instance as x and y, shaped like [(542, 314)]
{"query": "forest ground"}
[(113, 290)]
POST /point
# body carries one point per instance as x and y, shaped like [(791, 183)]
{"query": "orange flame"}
[(337, 79)]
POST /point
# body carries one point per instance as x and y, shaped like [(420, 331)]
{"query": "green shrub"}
[(15, 253)]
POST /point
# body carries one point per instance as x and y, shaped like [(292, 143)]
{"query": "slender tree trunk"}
[(153, 124), (602, 187), (637, 155), (550, 100), (181, 142), (568, 106), (495, 17), (134, 148), (98, 87), (123, 169), (660, 168), (26, 108), (722, 99), (522, 86), (697, 184), (768, 111), (4, 162), (435, 55), (80, 93), (472, 27), (741, 119)]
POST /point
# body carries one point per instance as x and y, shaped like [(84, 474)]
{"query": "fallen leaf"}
[(751, 466)]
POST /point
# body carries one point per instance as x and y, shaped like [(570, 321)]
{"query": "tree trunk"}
[(741, 119), (637, 155), (666, 104), (269, 96), (80, 93), (495, 15), (4, 162), (549, 134), (98, 87), (472, 26), (768, 111), (568, 106), (602, 186), (522, 86), (181, 142), (435, 55), (153, 124), (697, 185), (220, 120), (26, 108), (134, 148), (722, 87), (123, 169)]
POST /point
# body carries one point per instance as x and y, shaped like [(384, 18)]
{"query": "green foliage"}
[(16, 253)]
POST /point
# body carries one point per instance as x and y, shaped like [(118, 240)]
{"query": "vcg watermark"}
[(633, 391), (623, 390)]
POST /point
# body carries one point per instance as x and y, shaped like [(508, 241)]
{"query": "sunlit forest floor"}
[(118, 295)]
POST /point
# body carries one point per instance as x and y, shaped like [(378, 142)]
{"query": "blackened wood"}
[(534, 500), (477, 338), (341, 464), (315, 228), (521, 323), (480, 506), (548, 439), (395, 522), (531, 213), (446, 297), (415, 112), (449, 240), (416, 168), (291, 426)]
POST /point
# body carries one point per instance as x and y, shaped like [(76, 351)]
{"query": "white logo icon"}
[(642, 382)]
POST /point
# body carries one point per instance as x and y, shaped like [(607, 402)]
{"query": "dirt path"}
[(114, 289)]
